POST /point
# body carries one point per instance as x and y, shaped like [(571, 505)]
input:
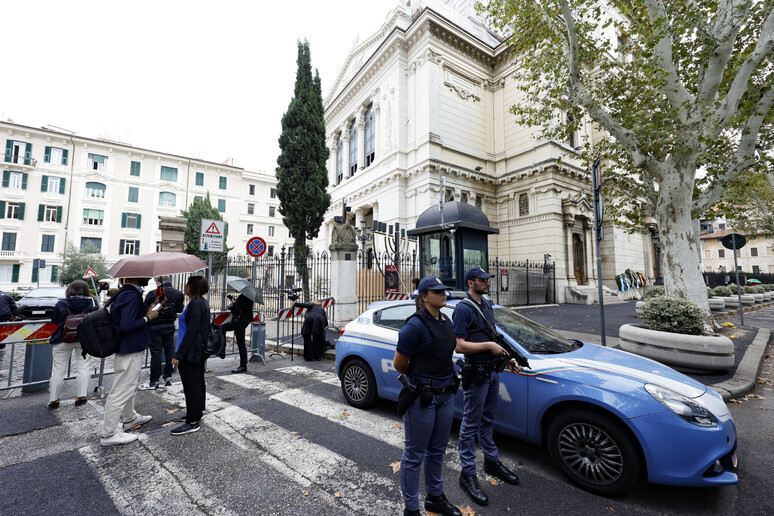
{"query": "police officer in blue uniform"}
[(474, 339), (424, 355)]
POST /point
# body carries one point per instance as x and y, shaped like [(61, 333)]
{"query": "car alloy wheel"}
[(358, 384)]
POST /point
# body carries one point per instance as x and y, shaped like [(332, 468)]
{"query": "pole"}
[(598, 227), (738, 287), (209, 277), (96, 292)]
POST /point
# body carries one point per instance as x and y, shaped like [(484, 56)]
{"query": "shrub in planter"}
[(759, 290), (655, 292), (748, 290), (112, 291), (673, 314), (722, 291)]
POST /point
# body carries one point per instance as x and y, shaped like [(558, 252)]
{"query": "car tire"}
[(358, 384), (594, 451)]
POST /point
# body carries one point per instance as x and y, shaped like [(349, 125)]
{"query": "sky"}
[(202, 79)]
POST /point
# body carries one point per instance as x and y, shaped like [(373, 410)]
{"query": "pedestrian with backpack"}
[(162, 331), (66, 315), (129, 320)]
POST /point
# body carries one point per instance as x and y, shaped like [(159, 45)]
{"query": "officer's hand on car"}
[(514, 366)]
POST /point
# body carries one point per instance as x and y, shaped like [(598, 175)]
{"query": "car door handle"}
[(547, 380)]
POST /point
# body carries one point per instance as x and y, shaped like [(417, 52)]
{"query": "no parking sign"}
[(256, 247)]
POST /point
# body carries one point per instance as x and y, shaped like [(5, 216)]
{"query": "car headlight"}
[(682, 406)]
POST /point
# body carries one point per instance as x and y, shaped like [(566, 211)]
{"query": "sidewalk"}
[(583, 322)]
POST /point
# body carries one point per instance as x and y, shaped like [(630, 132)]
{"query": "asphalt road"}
[(282, 440)]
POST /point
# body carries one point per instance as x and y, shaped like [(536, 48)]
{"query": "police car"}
[(607, 417)]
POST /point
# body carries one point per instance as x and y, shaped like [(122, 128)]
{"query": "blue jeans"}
[(478, 411), (426, 437)]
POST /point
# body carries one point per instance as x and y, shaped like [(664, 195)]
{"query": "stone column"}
[(343, 250), (588, 237), (361, 139), (332, 160), (377, 127), (173, 234), (345, 151), (569, 222)]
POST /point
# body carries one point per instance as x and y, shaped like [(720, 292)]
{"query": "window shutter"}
[(136, 247), (121, 246), (59, 214), (62, 185), (123, 220), (28, 154), (15, 274), (6, 178), (2, 209), (65, 152), (44, 183), (139, 217), (41, 212), (54, 273), (21, 210), (8, 152), (47, 158), (34, 274), (24, 181)]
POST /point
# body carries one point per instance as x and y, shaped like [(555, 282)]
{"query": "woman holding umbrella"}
[(241, 317)]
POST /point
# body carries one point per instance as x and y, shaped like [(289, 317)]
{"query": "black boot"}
[(496, 469), (469, 483), (409, 512), (441, 505), (240, 369)]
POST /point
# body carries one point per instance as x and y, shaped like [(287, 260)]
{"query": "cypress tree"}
[(302, 176)]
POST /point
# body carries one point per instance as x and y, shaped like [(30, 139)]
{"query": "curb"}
[(747, 372)]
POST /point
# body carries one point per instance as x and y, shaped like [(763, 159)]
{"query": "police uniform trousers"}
[(426, 431), (478, 405)]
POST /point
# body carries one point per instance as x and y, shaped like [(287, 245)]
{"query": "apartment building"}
[(60, 188), (757, 256)]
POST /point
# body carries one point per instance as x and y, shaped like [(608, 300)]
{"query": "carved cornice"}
[(549, 165), (528, 220)]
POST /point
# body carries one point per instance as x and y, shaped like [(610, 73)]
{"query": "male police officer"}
[(472, 320)]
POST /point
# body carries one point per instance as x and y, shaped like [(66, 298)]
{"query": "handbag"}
[(216, 342)]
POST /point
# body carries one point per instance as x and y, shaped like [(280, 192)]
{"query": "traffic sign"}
[(212, 235), (733, 241), (256, 247), (89, 273)]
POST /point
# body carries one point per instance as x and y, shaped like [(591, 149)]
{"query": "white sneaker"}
[(118, 438), (137, 421)]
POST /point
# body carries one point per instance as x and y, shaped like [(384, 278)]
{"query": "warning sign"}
[(212, 236), (89, 273)]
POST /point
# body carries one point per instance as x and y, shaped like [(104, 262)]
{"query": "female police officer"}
[(424, 353)]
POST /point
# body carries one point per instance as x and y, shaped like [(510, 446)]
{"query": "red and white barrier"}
[(222, 318), (287, 313), (396, 296), (26, 331)]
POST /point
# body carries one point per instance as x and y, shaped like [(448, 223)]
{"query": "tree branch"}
[(675, 91), (770, 180)]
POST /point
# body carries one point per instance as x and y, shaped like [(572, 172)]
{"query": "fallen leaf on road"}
[(467, 511), (172, 411), (169, 424), (493, 481), (768, 355), (255, 411), (395, 466), (728, 325), (306, 493), (293, 433), (733, 336), (733, 400), (336, 494), (758, 396), (397, 426)]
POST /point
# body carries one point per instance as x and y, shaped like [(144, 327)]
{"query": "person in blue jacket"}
[(130, 323), (193, 329), (77, 301), (424, 354)]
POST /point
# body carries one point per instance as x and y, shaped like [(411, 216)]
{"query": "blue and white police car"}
[(607, 417)]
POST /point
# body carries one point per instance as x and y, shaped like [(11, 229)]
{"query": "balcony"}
[(12, 254), (21, 160)]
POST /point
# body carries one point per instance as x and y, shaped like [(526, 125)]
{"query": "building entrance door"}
[(578, 259)]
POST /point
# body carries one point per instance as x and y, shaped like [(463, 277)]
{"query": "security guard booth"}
[(452, 238)]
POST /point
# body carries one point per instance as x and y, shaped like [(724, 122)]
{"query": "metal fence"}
[(715, 279), (523, 283), (379, 272)]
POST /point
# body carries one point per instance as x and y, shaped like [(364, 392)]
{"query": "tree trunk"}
[(681, 268)]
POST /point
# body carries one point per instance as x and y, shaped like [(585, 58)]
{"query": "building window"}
[(478, 201), (129, 247), (464, 197), (93, 244), (250, 208), (448, 195), (97, 162), (222, 205), (707, 254), (339, 160), (249, 229), (56, 156), (753, 251), (251, 189), (167, 199), (722, 227), (721, 253), (370, 136), (222, 182), (93, 217), (523, 205), (9, 242), (571, 138), (756, 269), (50, 184), (134, 194), (18, 152), (51, 214), (271, 231), (168, 174), (270, 251), (158, 247), (198, 198), (200, 179), (96, 190), (47, 244), (273, 193), (352, 149), (131, 220), (272, 211), (134, 169), (15, 180), (14, 210)]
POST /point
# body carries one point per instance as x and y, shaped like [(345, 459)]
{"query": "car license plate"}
[(38, 312)]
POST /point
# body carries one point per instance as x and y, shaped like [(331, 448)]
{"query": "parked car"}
[(607, 417), (39, 303)]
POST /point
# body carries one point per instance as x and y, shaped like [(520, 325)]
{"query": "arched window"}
[(370, 136), (339, 160), (95, 190), (352, 148), (167, 199), (523, 205)]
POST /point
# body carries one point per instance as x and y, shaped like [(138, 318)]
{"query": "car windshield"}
[(535, 337), (47, 292)]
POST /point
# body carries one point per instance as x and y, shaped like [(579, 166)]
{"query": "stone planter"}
[(748, 299), (639, 306), (716, 303), (685, 352), (767, 296), (758, 298), (731, 301)]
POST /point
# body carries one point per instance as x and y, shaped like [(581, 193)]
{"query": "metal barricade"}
[(222, 317), (288, 324)]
